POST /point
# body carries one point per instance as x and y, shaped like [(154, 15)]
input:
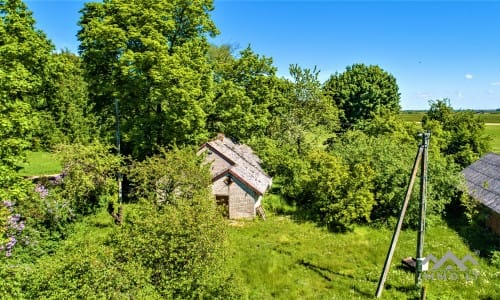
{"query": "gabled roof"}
[(244, 164), (483, 180)]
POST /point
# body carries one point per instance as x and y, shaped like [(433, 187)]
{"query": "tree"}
[(246, 88), (176, 227), (151, 58), (24, 59), (66, 115), (362, 91), (462, 132)]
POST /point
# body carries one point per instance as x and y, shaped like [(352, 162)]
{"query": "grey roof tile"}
[(483, 180), (246, 163)]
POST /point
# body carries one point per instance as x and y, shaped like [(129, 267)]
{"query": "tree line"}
[(337, 149)]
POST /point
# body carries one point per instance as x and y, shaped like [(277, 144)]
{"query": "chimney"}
[(220, 137)]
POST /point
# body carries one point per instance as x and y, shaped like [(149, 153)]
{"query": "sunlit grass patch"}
[(40, 163)]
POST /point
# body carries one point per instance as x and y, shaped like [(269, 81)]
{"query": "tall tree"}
[(24, 58), (66, 115), (362, 91), (151, 57), (246, 89)]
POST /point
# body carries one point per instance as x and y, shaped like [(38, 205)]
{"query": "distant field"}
[(417, 116), (494, 132), (412, 117), (40, 163)]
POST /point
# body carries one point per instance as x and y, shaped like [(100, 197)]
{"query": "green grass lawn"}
[(494, 132), (40, 163), (283, 259)]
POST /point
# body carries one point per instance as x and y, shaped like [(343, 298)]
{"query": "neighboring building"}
[(238, 181), (483, 184)]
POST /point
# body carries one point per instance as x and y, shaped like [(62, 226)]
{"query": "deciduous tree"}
[(151, 57), (361, 91)]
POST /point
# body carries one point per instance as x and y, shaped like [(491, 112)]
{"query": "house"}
[(238, 181), (483, 184)]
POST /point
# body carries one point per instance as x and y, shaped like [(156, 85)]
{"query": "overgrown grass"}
[(494, 132), (40, 163), (284, 259)]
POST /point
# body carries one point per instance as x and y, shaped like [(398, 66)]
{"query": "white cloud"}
[(495, 83), (468, 76)]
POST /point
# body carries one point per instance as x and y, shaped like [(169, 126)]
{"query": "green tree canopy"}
[(24, 61), (462, 132), (246, 90), (151, 57), (362, 91)]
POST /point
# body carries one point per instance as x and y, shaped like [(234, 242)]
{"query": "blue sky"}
[(435, 49)]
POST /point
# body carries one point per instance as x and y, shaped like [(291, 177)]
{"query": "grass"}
[(494, 132), (489, 117), (284, 259), (40, 163)]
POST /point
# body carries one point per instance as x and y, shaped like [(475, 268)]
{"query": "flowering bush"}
[(12, 228)]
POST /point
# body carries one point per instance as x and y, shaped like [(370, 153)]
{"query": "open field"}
[(489, 117), (494, 132), (40, 163), (284, 259), (492, 129)]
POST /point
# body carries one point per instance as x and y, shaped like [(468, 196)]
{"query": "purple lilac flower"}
[(14, 228), (41, 190), (8, 204), (58, 179)]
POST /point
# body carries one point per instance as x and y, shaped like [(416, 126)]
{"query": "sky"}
[(434, 49)]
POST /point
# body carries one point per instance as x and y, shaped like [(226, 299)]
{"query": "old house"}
[(238, 181), (483, 184)]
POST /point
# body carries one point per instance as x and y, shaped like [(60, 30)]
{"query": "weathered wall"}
[(241, 203)]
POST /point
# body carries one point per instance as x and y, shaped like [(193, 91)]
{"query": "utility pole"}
[(421, 158), (422, 211), (120, 179), (399, 225)]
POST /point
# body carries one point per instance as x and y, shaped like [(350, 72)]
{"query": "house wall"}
[(241, 203)]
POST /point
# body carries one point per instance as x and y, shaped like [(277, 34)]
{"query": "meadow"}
[(492, 128), (283, 258)]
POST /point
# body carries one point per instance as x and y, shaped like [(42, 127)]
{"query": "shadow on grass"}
[(329, 275), (475, 233)]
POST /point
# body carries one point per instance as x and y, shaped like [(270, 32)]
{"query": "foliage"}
[(168, 176), (463, 132), (85, 268), (339, 194), (65, 117), (360, 91), (180, 246), (151, 57), (24, 55), (246, 89), (89, 173)]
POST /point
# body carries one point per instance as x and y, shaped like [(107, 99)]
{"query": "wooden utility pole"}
[(421, 158), (395, 236)]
